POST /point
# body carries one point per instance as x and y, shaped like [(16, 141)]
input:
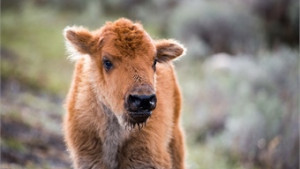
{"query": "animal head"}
[(121, 59)]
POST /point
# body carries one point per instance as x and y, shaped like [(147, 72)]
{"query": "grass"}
[(39, 47), (14, 144)]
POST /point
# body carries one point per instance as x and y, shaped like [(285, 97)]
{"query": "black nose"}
[(139, 103)]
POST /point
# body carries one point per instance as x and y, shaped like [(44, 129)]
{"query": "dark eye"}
[(107, 64), (154, 65)]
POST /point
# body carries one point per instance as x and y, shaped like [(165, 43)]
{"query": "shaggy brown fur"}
[(97, 133)]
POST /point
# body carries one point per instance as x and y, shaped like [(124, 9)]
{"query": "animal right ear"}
[(80, 40), (168, 50)]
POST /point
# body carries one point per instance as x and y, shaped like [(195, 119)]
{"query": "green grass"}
[(35, 36), (14, 144)]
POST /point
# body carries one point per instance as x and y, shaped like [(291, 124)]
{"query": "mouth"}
[(138, 119)]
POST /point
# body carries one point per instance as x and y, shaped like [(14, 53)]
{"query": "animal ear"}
[(168, 50), (80, 41)]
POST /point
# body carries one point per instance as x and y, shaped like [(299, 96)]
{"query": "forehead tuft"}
[(128, 37)]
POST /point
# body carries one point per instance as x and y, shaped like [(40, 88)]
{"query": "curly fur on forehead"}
[(128, 37)]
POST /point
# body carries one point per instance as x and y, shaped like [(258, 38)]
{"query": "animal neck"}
[(113, 138)]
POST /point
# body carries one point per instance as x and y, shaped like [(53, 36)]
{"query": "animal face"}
[(121, 63)]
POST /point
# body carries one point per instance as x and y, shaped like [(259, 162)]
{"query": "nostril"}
[(153, 98), (134, 102), (152, 102), (148, 102)]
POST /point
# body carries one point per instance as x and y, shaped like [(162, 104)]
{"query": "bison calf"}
[(123, 107)]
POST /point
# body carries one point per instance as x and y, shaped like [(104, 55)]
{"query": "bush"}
[(247, 106), (216, 26), (280, 20)]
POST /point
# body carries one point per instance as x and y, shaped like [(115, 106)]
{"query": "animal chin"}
[(138, 119)]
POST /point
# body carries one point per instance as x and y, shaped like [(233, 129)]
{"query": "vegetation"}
[(240, 77)]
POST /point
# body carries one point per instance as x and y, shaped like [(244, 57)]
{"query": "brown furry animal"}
[(116, 87)]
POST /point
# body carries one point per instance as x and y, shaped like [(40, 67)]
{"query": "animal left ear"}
[(168, 50)]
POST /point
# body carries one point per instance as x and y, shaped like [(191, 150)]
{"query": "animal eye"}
[(107, 64), (154, 65)]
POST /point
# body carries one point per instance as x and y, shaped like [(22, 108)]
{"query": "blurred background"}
[(239, 78)]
